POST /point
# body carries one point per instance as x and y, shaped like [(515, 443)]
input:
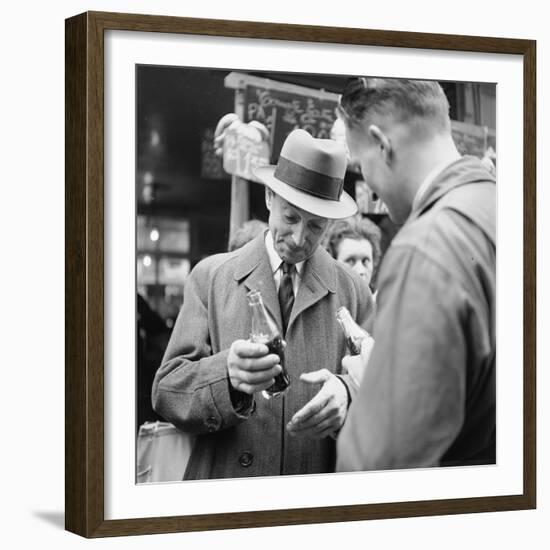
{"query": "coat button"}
[(246, 459), (211, 424)]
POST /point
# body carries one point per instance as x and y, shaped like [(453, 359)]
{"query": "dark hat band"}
[(309, 181)]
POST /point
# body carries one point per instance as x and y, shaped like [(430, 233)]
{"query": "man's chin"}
[(293, 257), (398, 218)]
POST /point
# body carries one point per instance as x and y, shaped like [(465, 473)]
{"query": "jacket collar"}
[(467, 169)]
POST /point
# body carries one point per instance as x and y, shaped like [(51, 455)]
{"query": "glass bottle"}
[(265, 331), (353, 333)]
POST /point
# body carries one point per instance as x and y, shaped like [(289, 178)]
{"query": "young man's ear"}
[(381, 140), (268, 197)]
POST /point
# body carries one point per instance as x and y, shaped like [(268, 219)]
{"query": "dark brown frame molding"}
[(84, 263)]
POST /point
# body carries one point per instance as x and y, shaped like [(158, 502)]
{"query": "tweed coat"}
[(191, 388), (428, 394)]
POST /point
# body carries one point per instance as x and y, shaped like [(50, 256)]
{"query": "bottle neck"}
[(348, 324), (263, 327)]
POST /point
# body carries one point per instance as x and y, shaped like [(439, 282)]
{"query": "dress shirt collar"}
[(274, 259)]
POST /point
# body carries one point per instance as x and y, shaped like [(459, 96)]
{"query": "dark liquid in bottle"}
[(282, 380), (354, 345)]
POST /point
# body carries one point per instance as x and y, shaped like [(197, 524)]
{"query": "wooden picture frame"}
[(84, 154)]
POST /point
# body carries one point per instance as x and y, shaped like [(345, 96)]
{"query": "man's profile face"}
[(378, 175), (358, 254), (296, 233)]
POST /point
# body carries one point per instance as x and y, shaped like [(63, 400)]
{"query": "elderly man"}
[(428, 394), (211, 376)]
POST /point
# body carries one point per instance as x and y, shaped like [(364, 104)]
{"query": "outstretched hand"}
[(324, 415)]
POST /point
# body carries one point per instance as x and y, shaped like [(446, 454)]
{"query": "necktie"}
[(286, 294)]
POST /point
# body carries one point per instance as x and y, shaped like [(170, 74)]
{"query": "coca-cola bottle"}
[(353, 333), (265, 331)]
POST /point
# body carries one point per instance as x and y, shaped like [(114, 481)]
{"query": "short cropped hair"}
[(404, 100), (356, 228), (246, 232)]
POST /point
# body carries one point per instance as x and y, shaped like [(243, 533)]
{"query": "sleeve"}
[(191, 388), (409, 407)]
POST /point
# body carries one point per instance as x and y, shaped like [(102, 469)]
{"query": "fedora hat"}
[(310, 175)]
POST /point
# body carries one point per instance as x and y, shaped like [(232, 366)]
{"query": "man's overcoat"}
[(191, 388)]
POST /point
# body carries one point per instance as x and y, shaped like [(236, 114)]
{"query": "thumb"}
[(366, 348), (316, 377)]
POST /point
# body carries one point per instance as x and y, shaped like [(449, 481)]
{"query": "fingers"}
[(316, 377), (325, 413), (329, 432), (324, 428), (255, 378), (257, 364), (252, 382), (317, 422), (250, 389), (310, 409), (244, 349), (250, 367), (319, 402)]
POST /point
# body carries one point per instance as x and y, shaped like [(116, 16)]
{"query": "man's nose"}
[(299, 234)]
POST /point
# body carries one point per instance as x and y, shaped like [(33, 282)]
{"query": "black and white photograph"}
[(315, 270), (271, 275), (285, 303)]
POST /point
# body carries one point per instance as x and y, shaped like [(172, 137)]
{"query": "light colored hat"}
[(310, 175)]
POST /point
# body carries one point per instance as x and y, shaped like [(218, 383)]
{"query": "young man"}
[(428, 394), (211, 376)]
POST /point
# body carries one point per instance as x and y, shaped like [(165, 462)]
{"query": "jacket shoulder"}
[(208, 266), (224, 264), (452, 238), (351, 284), (208, 269)]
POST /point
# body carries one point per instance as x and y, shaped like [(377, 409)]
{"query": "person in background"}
[(209, 381), (356, 242), (427, 397)]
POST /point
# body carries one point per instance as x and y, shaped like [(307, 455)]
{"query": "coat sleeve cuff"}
[(230, 408), (350, 386)]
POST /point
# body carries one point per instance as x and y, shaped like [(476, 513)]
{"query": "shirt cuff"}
[(342, 379), (242, 402)]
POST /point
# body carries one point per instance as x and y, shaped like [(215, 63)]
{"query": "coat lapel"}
[(318, 279), (254, 271)]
